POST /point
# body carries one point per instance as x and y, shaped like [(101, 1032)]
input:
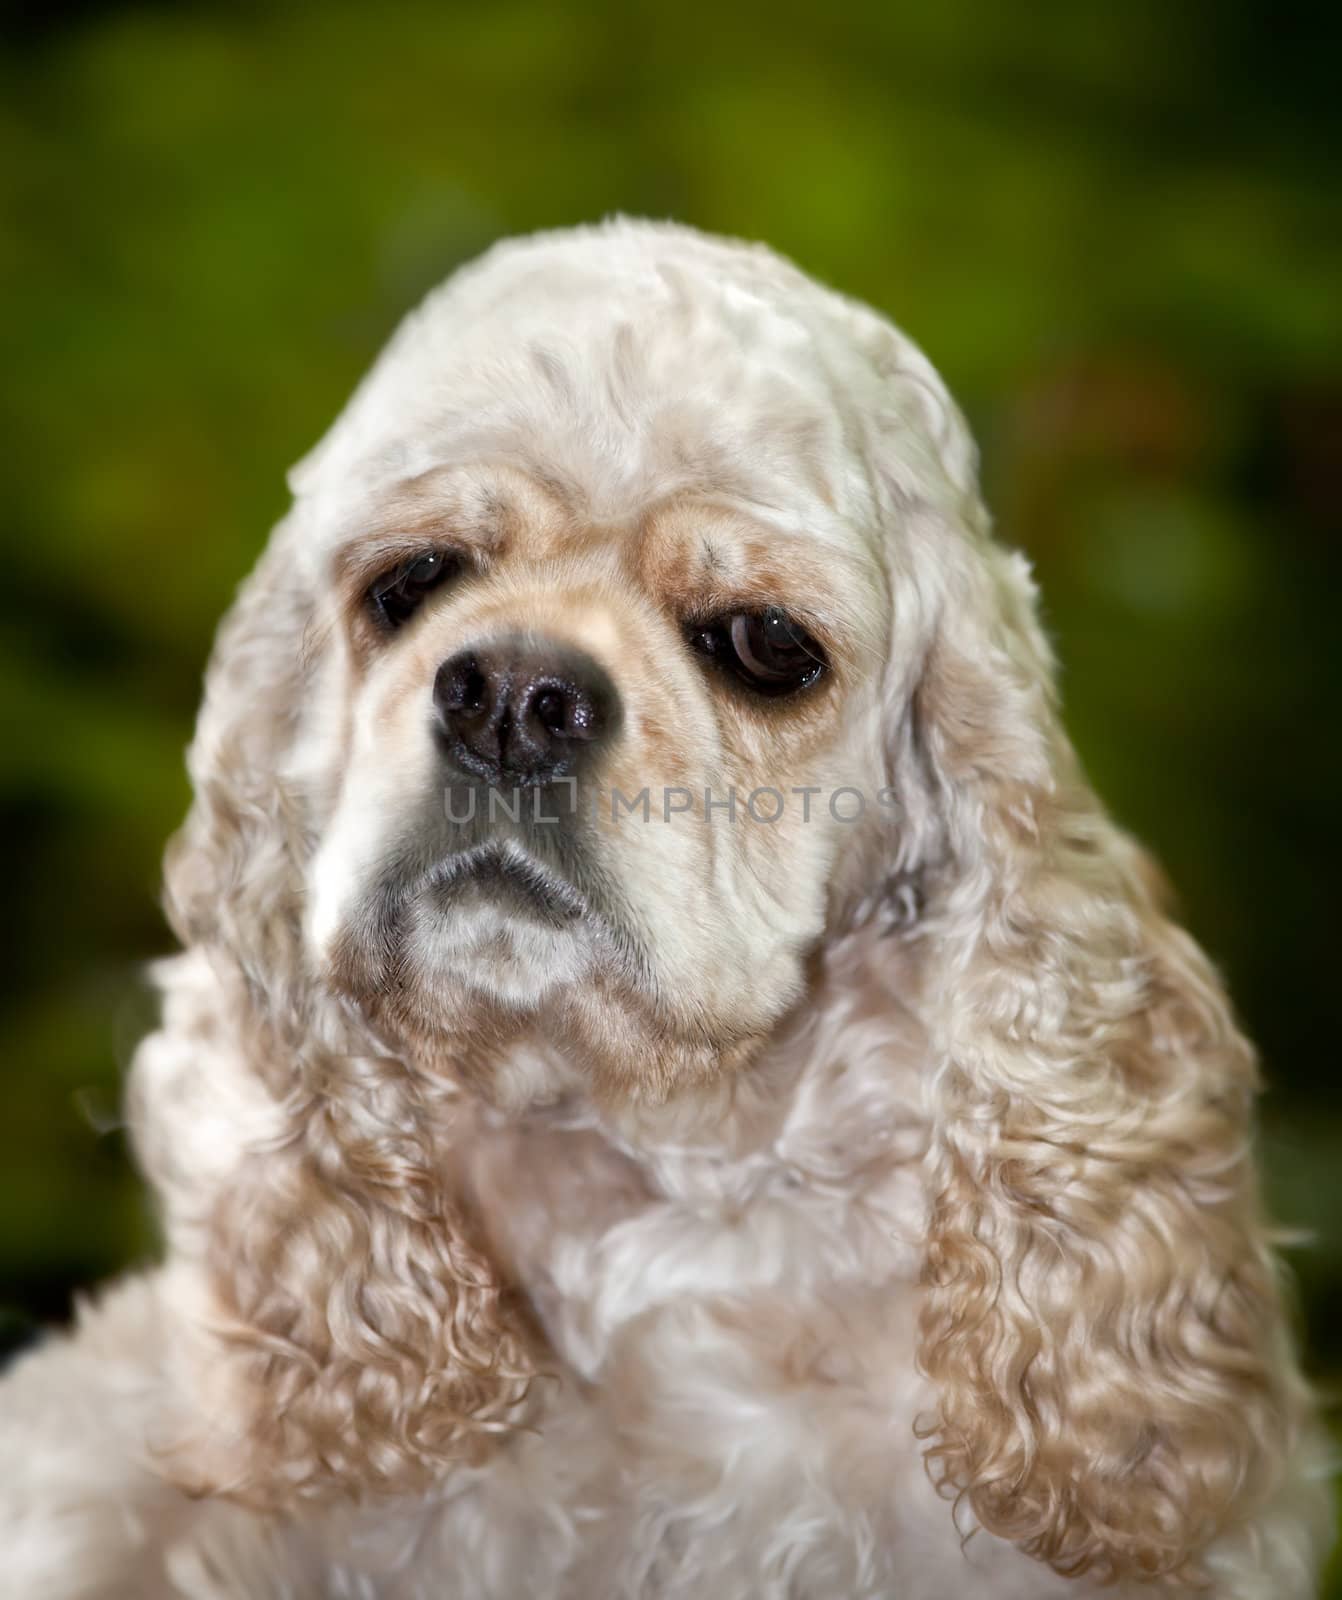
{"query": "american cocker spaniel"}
[(674, 1087)]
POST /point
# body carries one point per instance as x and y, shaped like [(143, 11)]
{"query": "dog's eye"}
[(395, 597), (766, 650)]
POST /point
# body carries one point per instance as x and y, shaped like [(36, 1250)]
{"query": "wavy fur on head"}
[(880, 1195)]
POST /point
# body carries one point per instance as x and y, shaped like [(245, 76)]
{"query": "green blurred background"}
[(1115, 229)]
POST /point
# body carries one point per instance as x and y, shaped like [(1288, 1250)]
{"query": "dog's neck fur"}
[(805, 1166), (840, 1090), (861, 1000)]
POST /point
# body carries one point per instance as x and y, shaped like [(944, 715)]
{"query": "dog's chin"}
[(488, 950), (494, 922), (493, 964)]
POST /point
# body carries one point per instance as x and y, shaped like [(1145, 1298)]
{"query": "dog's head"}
[(605, 605), (635, 632), (580, 637)]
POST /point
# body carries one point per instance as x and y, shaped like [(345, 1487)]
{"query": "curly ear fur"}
[(1101, 1310), (356, 1332)]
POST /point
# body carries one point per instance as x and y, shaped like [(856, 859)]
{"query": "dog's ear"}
[(234, 870), (355, 1333), (1101, 1313)]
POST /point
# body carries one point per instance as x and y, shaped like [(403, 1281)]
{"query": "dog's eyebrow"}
[(478, 498), (472, 506), (466, 507), (713, 563)]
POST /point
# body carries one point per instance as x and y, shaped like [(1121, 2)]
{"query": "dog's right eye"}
[(395, 597)]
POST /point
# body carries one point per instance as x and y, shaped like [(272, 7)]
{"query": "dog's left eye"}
[(395, 597), (768, 651)]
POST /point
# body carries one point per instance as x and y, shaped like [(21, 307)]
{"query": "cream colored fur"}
[(839, 1210)]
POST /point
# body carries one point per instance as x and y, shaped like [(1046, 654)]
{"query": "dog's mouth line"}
[(505, 872)]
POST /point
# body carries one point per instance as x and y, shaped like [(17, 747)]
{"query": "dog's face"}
[(603, 615)]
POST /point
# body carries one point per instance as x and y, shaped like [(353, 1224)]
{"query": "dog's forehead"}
[(624, 366)]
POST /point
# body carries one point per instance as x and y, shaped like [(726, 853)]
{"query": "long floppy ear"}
[(1101, 1316), (355, 1332)]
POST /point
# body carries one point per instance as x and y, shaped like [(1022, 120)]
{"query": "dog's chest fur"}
[(739, 1399)]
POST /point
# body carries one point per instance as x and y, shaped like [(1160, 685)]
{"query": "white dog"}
[(675, 1087)]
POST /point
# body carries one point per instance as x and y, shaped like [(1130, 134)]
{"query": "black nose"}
[(523, 710)]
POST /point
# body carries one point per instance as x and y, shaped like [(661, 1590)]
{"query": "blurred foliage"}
[(1115, 228)]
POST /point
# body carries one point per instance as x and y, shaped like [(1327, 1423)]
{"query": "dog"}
[(674, 1085)]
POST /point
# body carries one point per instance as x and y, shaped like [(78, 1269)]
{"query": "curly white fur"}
[(857, 1210)]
